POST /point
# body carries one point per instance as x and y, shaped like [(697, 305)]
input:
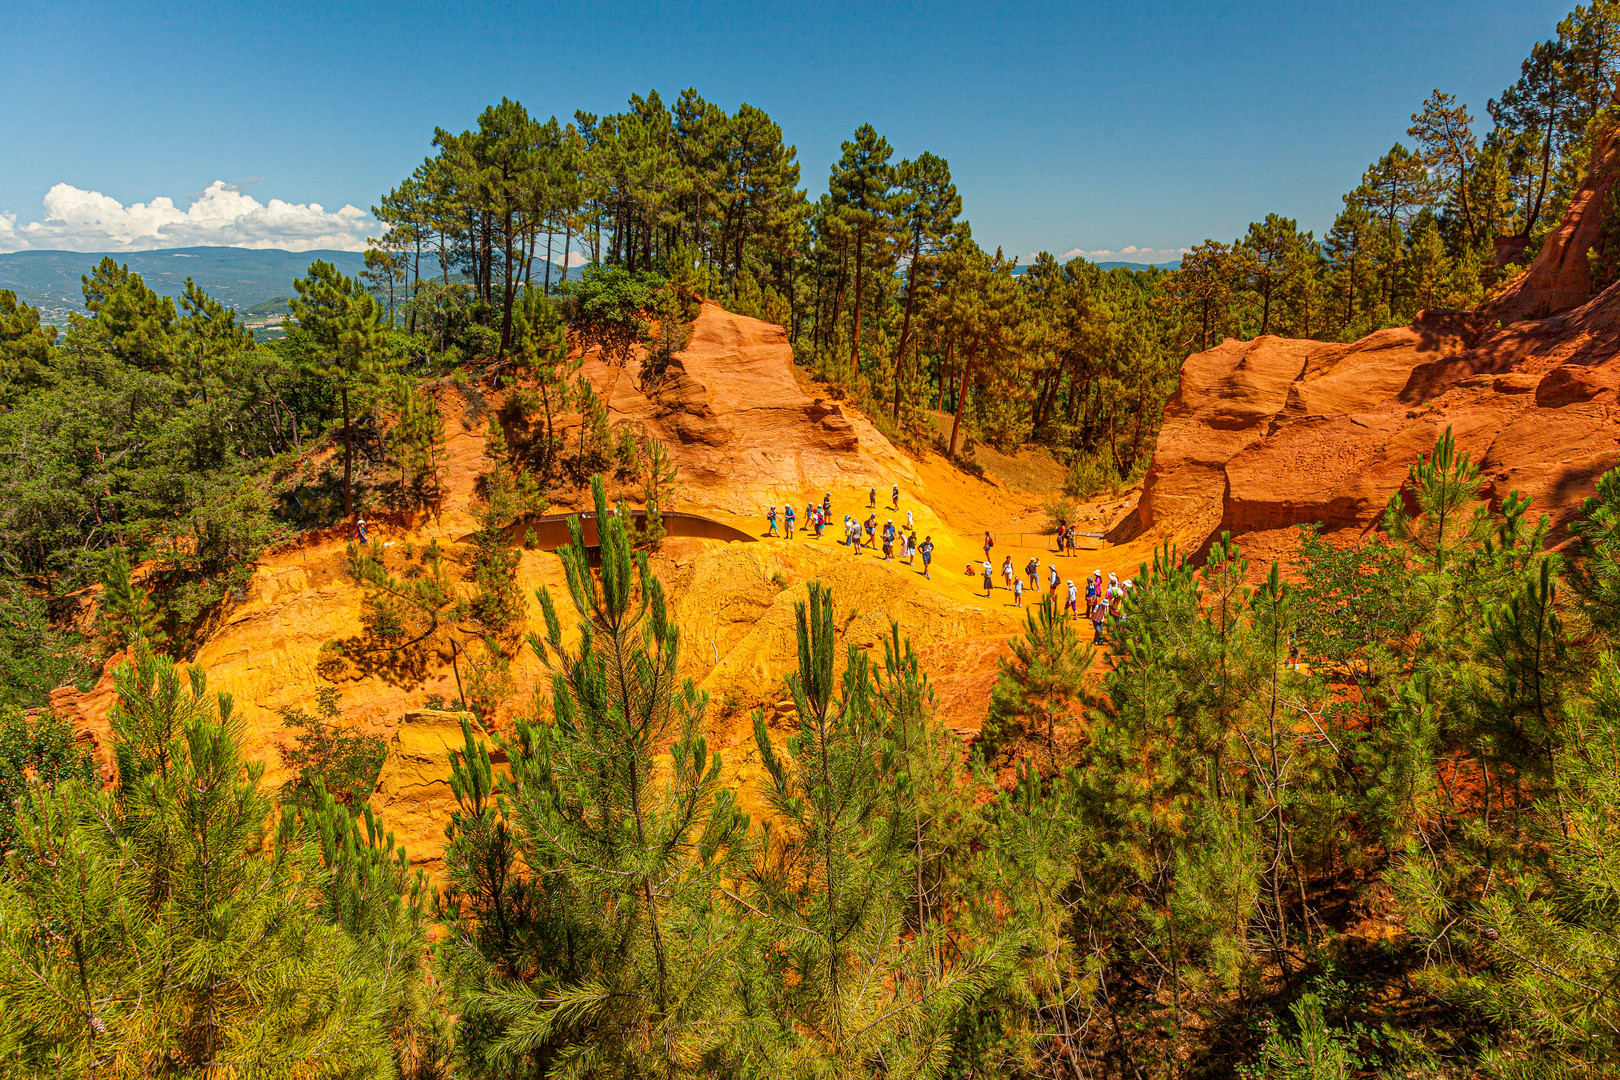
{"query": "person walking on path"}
[(911, 549), (1071, 605), (895, 495), (771, 517), (1052, 581), (1091, 590), (1069, 537), (927, 550), (1007, 571), (888, 540), (871, 497), (787, 522), (871, 531), (1099, 615), (989, 542), (909, 525), (989, 583), (1018, 592), (1060, 530), (826, 506), (1032, 570)]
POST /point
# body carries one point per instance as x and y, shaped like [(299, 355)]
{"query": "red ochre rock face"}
[(1262, 436)]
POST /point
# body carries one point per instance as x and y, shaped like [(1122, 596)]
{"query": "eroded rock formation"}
[(1264, 435)]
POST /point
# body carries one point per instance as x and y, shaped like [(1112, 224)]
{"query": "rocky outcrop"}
[(1560, 276), (1265, 435), (738, 424), (413, 789), (1262, 436), (743, 434)]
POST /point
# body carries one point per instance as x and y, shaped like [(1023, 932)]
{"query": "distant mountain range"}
[(241, 278), (254, 281), (1176, 265)]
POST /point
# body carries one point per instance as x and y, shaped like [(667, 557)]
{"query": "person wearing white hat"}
[(1071, 605), (360, 530), (1052, 581)]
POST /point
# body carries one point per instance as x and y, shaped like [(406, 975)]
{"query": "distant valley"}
[(248, 279)]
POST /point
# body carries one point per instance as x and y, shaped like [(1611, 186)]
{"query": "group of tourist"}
[(897, 543), (1103, 599)]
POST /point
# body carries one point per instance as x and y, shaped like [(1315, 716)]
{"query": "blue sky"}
[(1072, 128)]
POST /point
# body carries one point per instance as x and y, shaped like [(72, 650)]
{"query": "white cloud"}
[(1130, 253), (574, 259), (80, 220)]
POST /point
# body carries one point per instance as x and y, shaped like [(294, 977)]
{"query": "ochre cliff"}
[(744, 434), (1265, 435)]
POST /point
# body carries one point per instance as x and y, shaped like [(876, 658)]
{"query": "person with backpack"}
[(927, 550), (1052, 581), (1099, 616)]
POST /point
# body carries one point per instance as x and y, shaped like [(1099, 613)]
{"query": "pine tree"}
[(1043, 686), (127, 611), (861, 186), (161, 927), (631, 857), (832, 876), (345, 326)]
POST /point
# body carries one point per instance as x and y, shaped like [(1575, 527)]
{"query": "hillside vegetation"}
[(1350, 813)]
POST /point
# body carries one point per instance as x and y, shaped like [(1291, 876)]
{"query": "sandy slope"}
[(744, 435)]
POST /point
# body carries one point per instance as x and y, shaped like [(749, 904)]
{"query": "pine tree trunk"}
[(855, 346), (348, 457), (905, 328), (961, 398)]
